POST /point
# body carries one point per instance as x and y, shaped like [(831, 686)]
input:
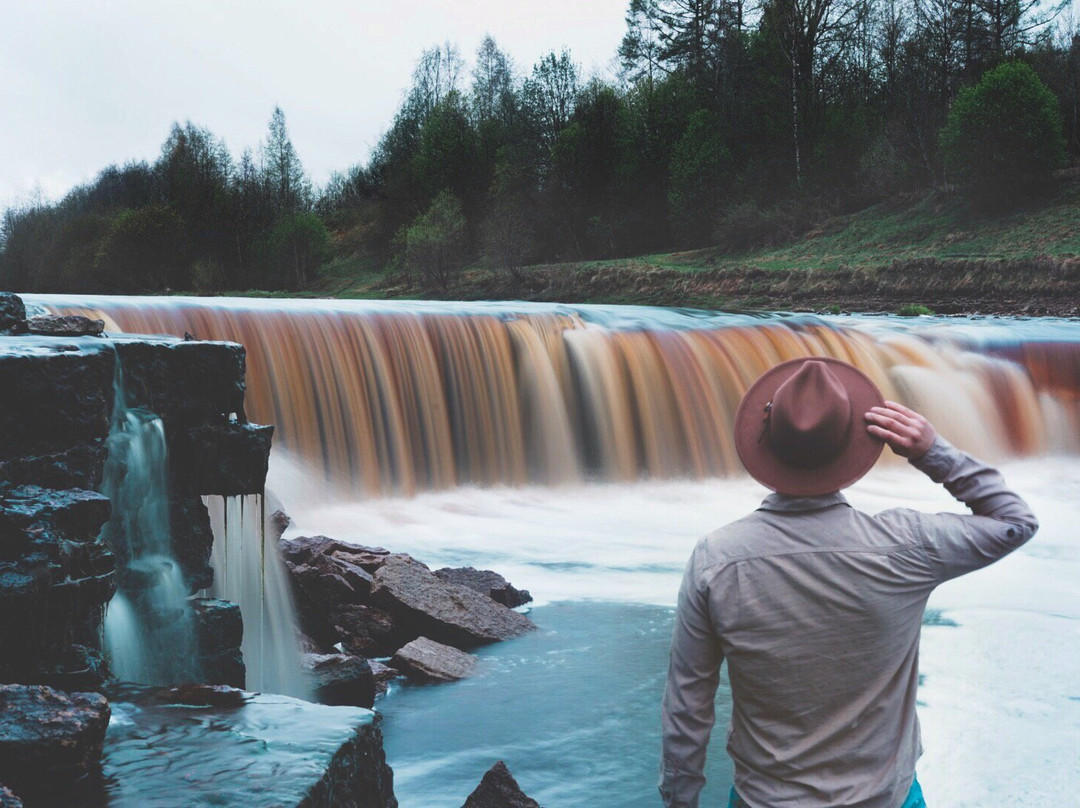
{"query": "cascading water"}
[(248, 571), (149, 630)]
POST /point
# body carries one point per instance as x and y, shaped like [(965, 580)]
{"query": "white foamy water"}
[(1001, 697)]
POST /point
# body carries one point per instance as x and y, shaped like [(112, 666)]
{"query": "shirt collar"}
[(784, 503)]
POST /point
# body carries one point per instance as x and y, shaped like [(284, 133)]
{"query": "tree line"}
[(730, 121)]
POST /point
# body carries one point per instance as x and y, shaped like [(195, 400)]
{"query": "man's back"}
[(817, 608)]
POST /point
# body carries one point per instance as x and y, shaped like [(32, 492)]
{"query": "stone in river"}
[(12, 314), (428, 661), (487, 582), (366, 630), (340, 679), (49, 740), (499, 789), (65, 325), (272, 751), (447, 613)]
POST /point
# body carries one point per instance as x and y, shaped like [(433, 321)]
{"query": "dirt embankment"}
[(1039, 286)]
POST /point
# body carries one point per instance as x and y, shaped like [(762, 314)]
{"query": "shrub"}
[(435, 241), (1004, 136), (913, 310)]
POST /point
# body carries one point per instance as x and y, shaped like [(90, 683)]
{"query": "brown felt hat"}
[(800, 430)]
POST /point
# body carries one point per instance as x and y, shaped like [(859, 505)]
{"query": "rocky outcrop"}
[(374, 603), (270, 750), (49, 740), (12, 314), (340, 679), (499, 789), (486, 582), (428, 661), (226, 459), (69, 325), (450, 614)]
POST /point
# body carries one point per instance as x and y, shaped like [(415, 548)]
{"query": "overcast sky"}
[(86, 83)]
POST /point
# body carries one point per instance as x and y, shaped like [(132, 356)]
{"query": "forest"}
[(727, 123)]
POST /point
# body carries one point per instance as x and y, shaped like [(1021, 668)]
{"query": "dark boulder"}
[(81, 466), (225, 459), (65, 325), (450, 614), (219, 630), (202, 696), (486, 582), (73, 514), (383, 675), (366, 631), (340, 679), (49, 739), (12, 314), (303, 549), (192, 539), (499, 789), (428, 661)]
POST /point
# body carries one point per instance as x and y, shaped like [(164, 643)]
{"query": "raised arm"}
[(1000, 522), (688, 711)]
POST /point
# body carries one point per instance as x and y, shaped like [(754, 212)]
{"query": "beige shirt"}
[(817, 609)]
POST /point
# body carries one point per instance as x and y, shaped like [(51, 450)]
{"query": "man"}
[(816, 606)]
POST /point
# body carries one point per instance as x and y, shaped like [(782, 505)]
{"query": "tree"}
[(700, 168), (550, 93), (295, 248), (492, 95), (435, 241), (435, 76), (288, 185), (1004, 136), (508, 229), (143, 251)]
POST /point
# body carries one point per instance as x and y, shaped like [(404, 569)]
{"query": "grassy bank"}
[(930, 250)]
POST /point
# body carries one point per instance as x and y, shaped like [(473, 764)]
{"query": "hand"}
[(907, 433)]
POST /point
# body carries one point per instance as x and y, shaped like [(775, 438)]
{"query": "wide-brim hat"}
[(800, 430)]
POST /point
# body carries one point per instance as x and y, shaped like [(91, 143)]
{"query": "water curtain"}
[(394, 399)]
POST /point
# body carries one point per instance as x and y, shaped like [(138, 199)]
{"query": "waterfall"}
[(386, 398), (248, 571), (149, 629)]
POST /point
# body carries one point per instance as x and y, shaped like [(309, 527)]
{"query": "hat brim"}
[(757, 456)]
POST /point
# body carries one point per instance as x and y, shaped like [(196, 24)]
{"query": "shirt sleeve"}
[(688, 710), (1000, 522)]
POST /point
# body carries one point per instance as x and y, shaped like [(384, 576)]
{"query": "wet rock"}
[(226, 459), (12, 314), (8, 798), (49, 739), (186, 383), (448, 613), (486, 582), (305, 548), (383, 675), (428, 661), (219, 630), (272, 750), (73, 514), (80, 466), (65, 325), (53, 401), (366, 630), (192, 539), (499, 789), (340, 679)]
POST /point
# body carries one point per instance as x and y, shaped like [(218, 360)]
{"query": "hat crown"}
[(810, 417)]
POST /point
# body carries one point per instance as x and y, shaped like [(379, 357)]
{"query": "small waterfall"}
[(393, 398), (149, 630), (248, 571)]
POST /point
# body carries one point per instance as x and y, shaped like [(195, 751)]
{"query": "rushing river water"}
[(581, 451)]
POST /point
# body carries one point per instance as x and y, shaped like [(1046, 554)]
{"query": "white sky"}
[(86, 83)]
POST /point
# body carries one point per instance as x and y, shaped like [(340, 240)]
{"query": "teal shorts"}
[(914, 798)]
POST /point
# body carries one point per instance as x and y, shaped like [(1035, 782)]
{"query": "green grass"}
[(935, 226)]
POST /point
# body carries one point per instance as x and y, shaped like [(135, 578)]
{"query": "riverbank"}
[(929, 250)]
